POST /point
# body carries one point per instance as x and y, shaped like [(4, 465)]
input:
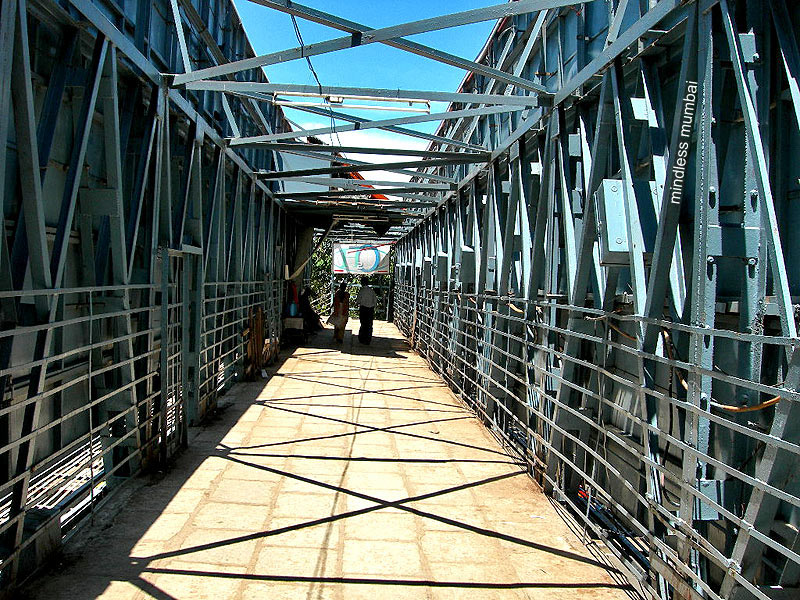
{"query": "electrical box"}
[(491, 272), (574, 144), (466, 269), (427, 269), (612, 224), (442, 271)]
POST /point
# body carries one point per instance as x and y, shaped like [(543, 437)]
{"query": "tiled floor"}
[(353, 473)]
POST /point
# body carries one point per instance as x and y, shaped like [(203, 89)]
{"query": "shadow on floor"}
[(101, 555)]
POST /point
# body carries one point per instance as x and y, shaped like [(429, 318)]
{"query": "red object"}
[(356, 175), (350, 174), (293, 293)]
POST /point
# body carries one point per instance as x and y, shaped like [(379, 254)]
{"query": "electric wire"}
[(314, 73)]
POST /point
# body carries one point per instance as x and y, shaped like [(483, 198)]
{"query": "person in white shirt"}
[(366, 310)]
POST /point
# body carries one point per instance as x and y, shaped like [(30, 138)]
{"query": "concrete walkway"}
[(353, 473)]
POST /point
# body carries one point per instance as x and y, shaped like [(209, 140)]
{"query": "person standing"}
[(341, 312), (366, 310)]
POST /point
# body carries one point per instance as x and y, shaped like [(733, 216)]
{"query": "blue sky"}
[(375, 65)]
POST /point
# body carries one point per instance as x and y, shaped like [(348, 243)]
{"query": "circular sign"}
[(365, 265)]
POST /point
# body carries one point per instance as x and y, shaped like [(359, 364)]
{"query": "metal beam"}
[(520, 62), (362, 183), (184, 52), (772, 469), (404, 195), (647, 22), (24, 100), (362, 168), (790, 52), (142, 178), (334, 150), (401, 130), (362, 192), (477, 15), (8, 19), (765, 195), (351, 161), (75, 171), (382, 124), (251, 106), (342, 205), (28, 151), (323, 18), (277, 89), (94, 15)]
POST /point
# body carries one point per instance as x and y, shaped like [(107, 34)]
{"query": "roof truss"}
[(397, 95), (365, 167), (380, 124), (385, 34)]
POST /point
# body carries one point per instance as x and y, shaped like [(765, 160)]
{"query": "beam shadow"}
[(488, 585), (389, 428), (380, 504), (298, 375), (381, 459), (350, 367), (289, 401), (213, 448), (332, 436), (357, 391), (365, 391)]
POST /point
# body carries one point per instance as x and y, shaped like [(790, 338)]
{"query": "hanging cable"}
[(314, 73)]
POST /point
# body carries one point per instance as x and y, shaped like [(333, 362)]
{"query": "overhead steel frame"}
[(138, 249), (615, 290), (556, 288), (471, 106)]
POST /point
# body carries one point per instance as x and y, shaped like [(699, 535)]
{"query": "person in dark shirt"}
[(366, 310), (311, 318)]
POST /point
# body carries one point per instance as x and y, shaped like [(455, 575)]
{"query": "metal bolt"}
[(619, 240), (756, 57), (752, 261), (711, 260)]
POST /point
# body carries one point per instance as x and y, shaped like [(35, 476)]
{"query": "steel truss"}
[(138, 251), (615, 290), (470, 105), (607, 276)]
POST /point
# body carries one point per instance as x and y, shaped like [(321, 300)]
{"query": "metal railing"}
[(504, 357), (122, 397)]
